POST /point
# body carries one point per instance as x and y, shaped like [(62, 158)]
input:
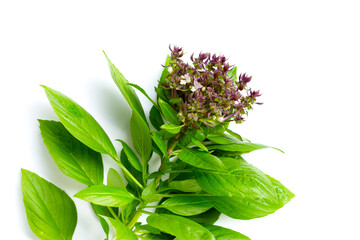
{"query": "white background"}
[(303, 56)]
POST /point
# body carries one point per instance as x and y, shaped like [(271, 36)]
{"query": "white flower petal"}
[(187, 78), (197, 85)]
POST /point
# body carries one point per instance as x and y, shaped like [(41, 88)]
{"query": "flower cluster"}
[(207, 90)]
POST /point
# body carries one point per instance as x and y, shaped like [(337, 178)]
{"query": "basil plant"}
[(202, 171)]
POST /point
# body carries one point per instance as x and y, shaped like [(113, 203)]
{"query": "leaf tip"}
[(119, 140), (107, 58), (24, 173), (46, 88), (104, 53), (279, 150)]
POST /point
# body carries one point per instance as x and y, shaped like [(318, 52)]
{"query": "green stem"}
[(132, 222), (140, 210), (176, 139), (155, 206), (113, 213), (146, 212), (157, 179), (128, 173)]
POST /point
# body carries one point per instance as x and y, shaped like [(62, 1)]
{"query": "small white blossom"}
[(220, 119), (187, 78), (197, 85), (193, 89), (237, 102), (182, 82), (203, 89), (170, 69)]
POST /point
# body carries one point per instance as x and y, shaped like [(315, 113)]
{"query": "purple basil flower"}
[(208, 93)]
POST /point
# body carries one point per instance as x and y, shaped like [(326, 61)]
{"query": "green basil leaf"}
[(240, 179), (120, 230), (244, 207), (155, 118), (146, 228), (106, 196), (216, 130), (234, 134), (138, 176), (199, 135), (149, 193), (208, 217), (133, 159), (200, 159), (187, 206), (221, 233), (141, 137), (244, 147), (165, 72), (162, 93), (114, 179), (150, 236), (199, 144), (128, 93), (185, 141), (128, 212), (223, 138), (284, 195), (171, 128), (165, 134), (169, 113), (103, 211), (156, 149), (73, 158), (189, 185), (182, 228), (159, 142), (50, 211), (145, 94), (232, 74), (249, 207), (80, 123), (235, 155), (155, 174)]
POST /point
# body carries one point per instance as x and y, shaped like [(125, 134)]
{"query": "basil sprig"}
[(202, 171)]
